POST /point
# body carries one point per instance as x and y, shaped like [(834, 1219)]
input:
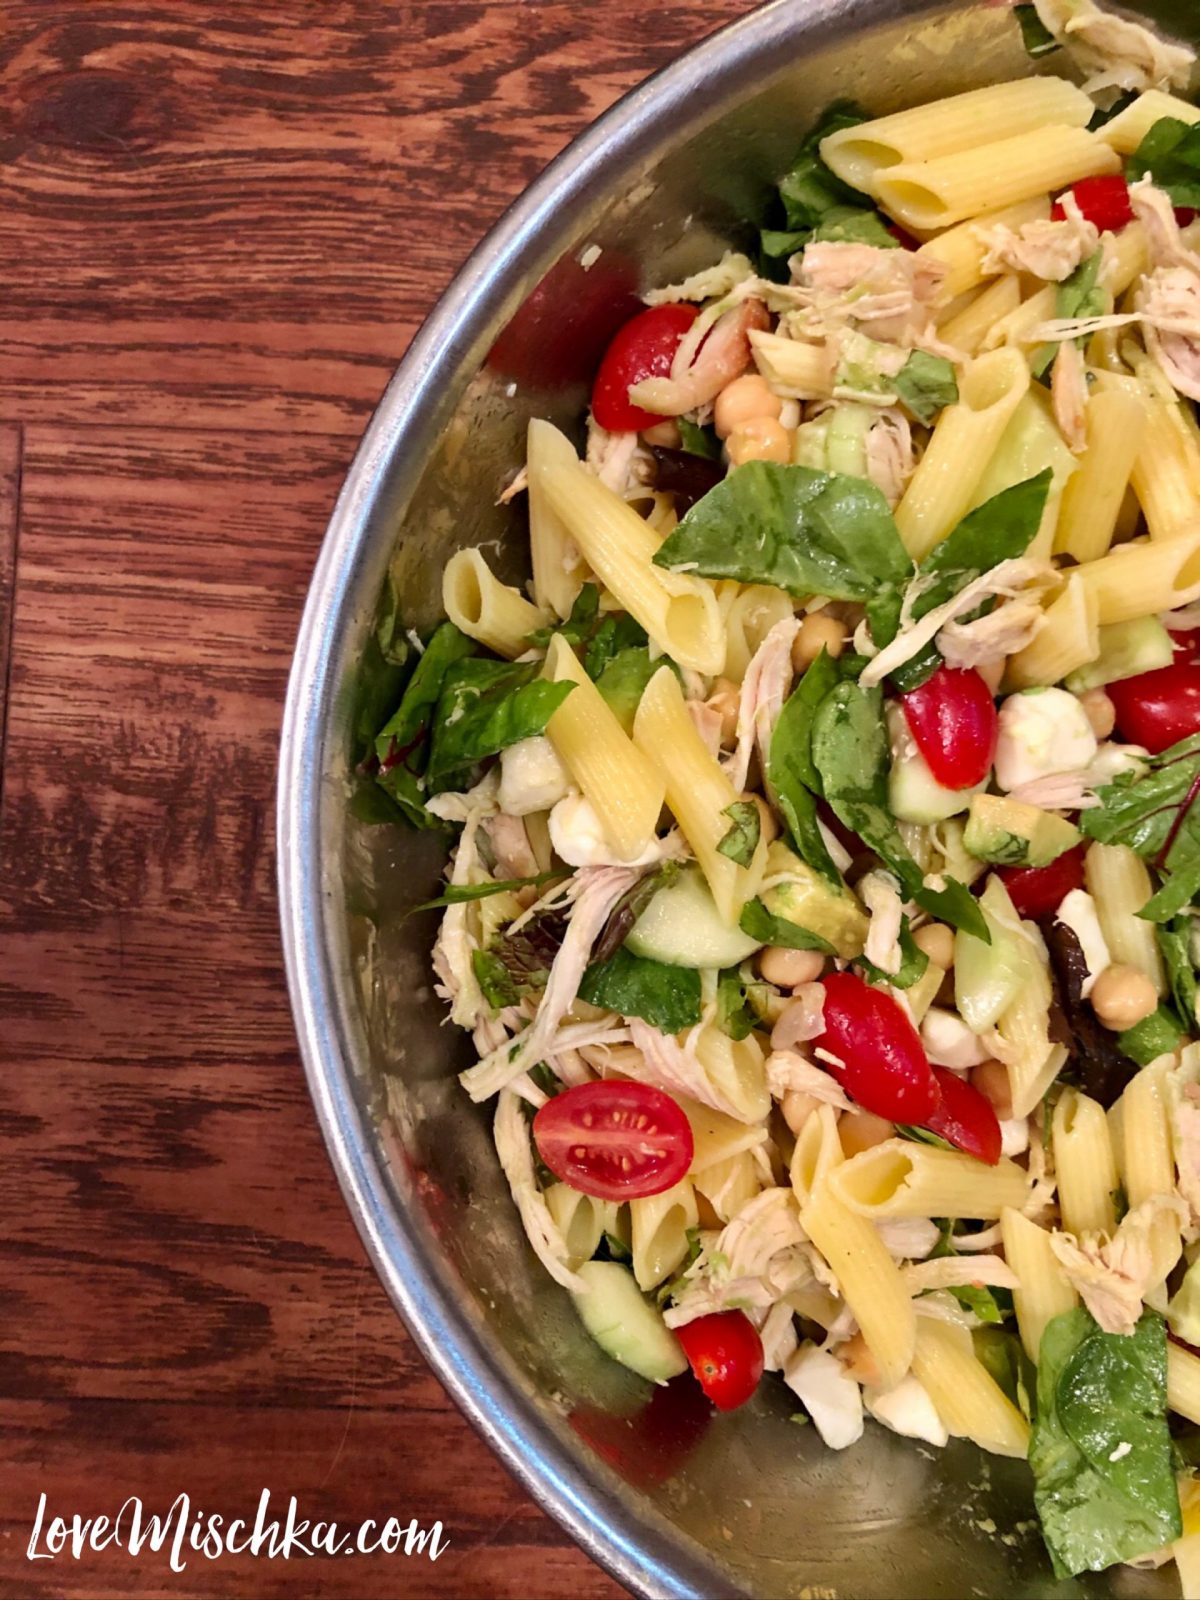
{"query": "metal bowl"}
[(673, 1501)]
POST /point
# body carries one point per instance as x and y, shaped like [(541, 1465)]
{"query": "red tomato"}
[(966, 1118), (953, 719), (1104, 202), (1157, 709), (1039, 891), (726, 1354), (614, 1140), (884, 1066), (643, 348)]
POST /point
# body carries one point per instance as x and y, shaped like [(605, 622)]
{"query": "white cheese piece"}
[(1078, 912), (1014, 1137), (578, 836), (1042, 732), (949, 1042), (830, 1396), (907, 1409), (532, 778)]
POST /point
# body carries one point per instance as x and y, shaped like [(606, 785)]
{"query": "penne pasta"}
[(1149, 1164), (1044, 1293), (947, 189), (581, 1220), (559, 569), (624, 787), (1129, 127), (1119, 882), (659, 1227), (1183, 1382), (969, 1401), (1117, 421), (966, 437), (901, 1179), (1085, 1164), (1143, 578), (495, 613), (730, 1184), (796, 370), (752, 614), (964, 121), (970, 328), (818, 1150), (1069, 637), (679, 613)]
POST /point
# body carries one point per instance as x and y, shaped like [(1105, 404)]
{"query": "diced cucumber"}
[(846, 446), (625, 1325), (988, 976), (914, 794), (1127, 649), (682, 927)]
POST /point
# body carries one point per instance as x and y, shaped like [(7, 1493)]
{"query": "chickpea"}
[(760, 439), (991, 1079), (937, 941), (742, 401), (724, 700), (665, 434), (797, 1107), (1122, 997), (1100, 712), (817, 632), (787, 969), (862, 1130)]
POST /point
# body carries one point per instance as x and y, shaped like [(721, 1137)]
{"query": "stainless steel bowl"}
[(675, 1504)]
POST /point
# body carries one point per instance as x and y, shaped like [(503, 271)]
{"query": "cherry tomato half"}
[(1039, 891), (884, 1065), (643, 348), (614, 1140), (952, 716), (1104, 202), (1157, 709), (966, 1118), (726, 1354)]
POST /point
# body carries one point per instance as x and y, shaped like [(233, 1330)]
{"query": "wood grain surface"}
[(219, 228)]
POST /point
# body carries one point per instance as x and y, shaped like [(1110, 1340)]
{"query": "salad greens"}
[(926, 384), (1152, 810), (1101, 1454), (1035, 35), (1170, 155), (484, 707), (668, 998), (402, 744), (815, 204), (745, 829), (761, 924)]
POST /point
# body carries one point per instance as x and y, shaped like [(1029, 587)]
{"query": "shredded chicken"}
[(1049, 250), (957, 1272), (788, 1072), (518, 486), (706, 720), (1185, 1129), (455, 945), (1169, 296), (1069, 392), (756, 1259), (890, 462), (594, 891), (722, 356), (708, 284), (778, 1335), (510, 843), (1114, 52), (908, 1238), (895, 292), (880, 893), (1009, 579), (802, 1019), (764, 689), (677, 1068), (1113, 1276), (615, 458), (511, 1133)]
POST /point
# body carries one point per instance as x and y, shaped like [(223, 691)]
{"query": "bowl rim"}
[(648, 1560)]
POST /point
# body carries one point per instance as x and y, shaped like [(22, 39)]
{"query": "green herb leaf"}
[(518, 964), (1156, 1036), (618, 1250), (615, 634), (923, 1136), (804, 531), (1153, 811), (1080, 295), (927, 384), (813, 203), (852, 225), (1101, 1453), (913, 963), (1035, 35), (698, 441), (977, 1298), (623, 681), (499, 987), (734, 1015), (668, 998), (459, 893), (580, 625), (676, 1285), (1103, 115), (1175, 942), (1170, 154), (402, 745), (758, 923), (484, 707), (745, 828)]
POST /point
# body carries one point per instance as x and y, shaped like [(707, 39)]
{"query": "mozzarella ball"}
[(1042, 732), (532, 778)]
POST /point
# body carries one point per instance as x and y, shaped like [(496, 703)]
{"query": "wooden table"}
[(219, 227)]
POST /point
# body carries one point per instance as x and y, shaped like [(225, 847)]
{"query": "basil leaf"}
[(1101, 1452), (853, 225), (1035, 35), (484, 707), (1001, 1352), (402, 744), (458, 894), (1175, 942), (1157, 1035), (1080, 295), (1153, 811), (1170, 154), (759, 923), (1103, 115), (381, 671), (518, 964), (698, 441), (615, 634), (804, 531), (745, 829), (975, 1298), (913, 963), (668, 998), (923, 1136), (494, 979), (580, 625), (734, 1015), (623, 681), (927, 384)]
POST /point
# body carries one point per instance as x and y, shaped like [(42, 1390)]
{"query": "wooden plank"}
[(245, 215), (10, 498), (341, 1465)]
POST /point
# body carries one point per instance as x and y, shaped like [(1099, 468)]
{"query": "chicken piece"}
[(723, 355), (890, 461), (510, 844), (764, 689), (706, 720), (615, 458), (1115, 52), (1049, 250), (1069, 391), (788, 1072), (1113, 1275), (895, 291)]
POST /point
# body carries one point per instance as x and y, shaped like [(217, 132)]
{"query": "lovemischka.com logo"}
[(187, 1532)]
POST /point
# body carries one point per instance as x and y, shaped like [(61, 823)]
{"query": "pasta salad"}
[(822, 902)]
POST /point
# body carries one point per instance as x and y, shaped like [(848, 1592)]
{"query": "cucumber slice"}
[(682, 927), (1127, 649), (914, 794), (987, 977), (625, 1325)]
